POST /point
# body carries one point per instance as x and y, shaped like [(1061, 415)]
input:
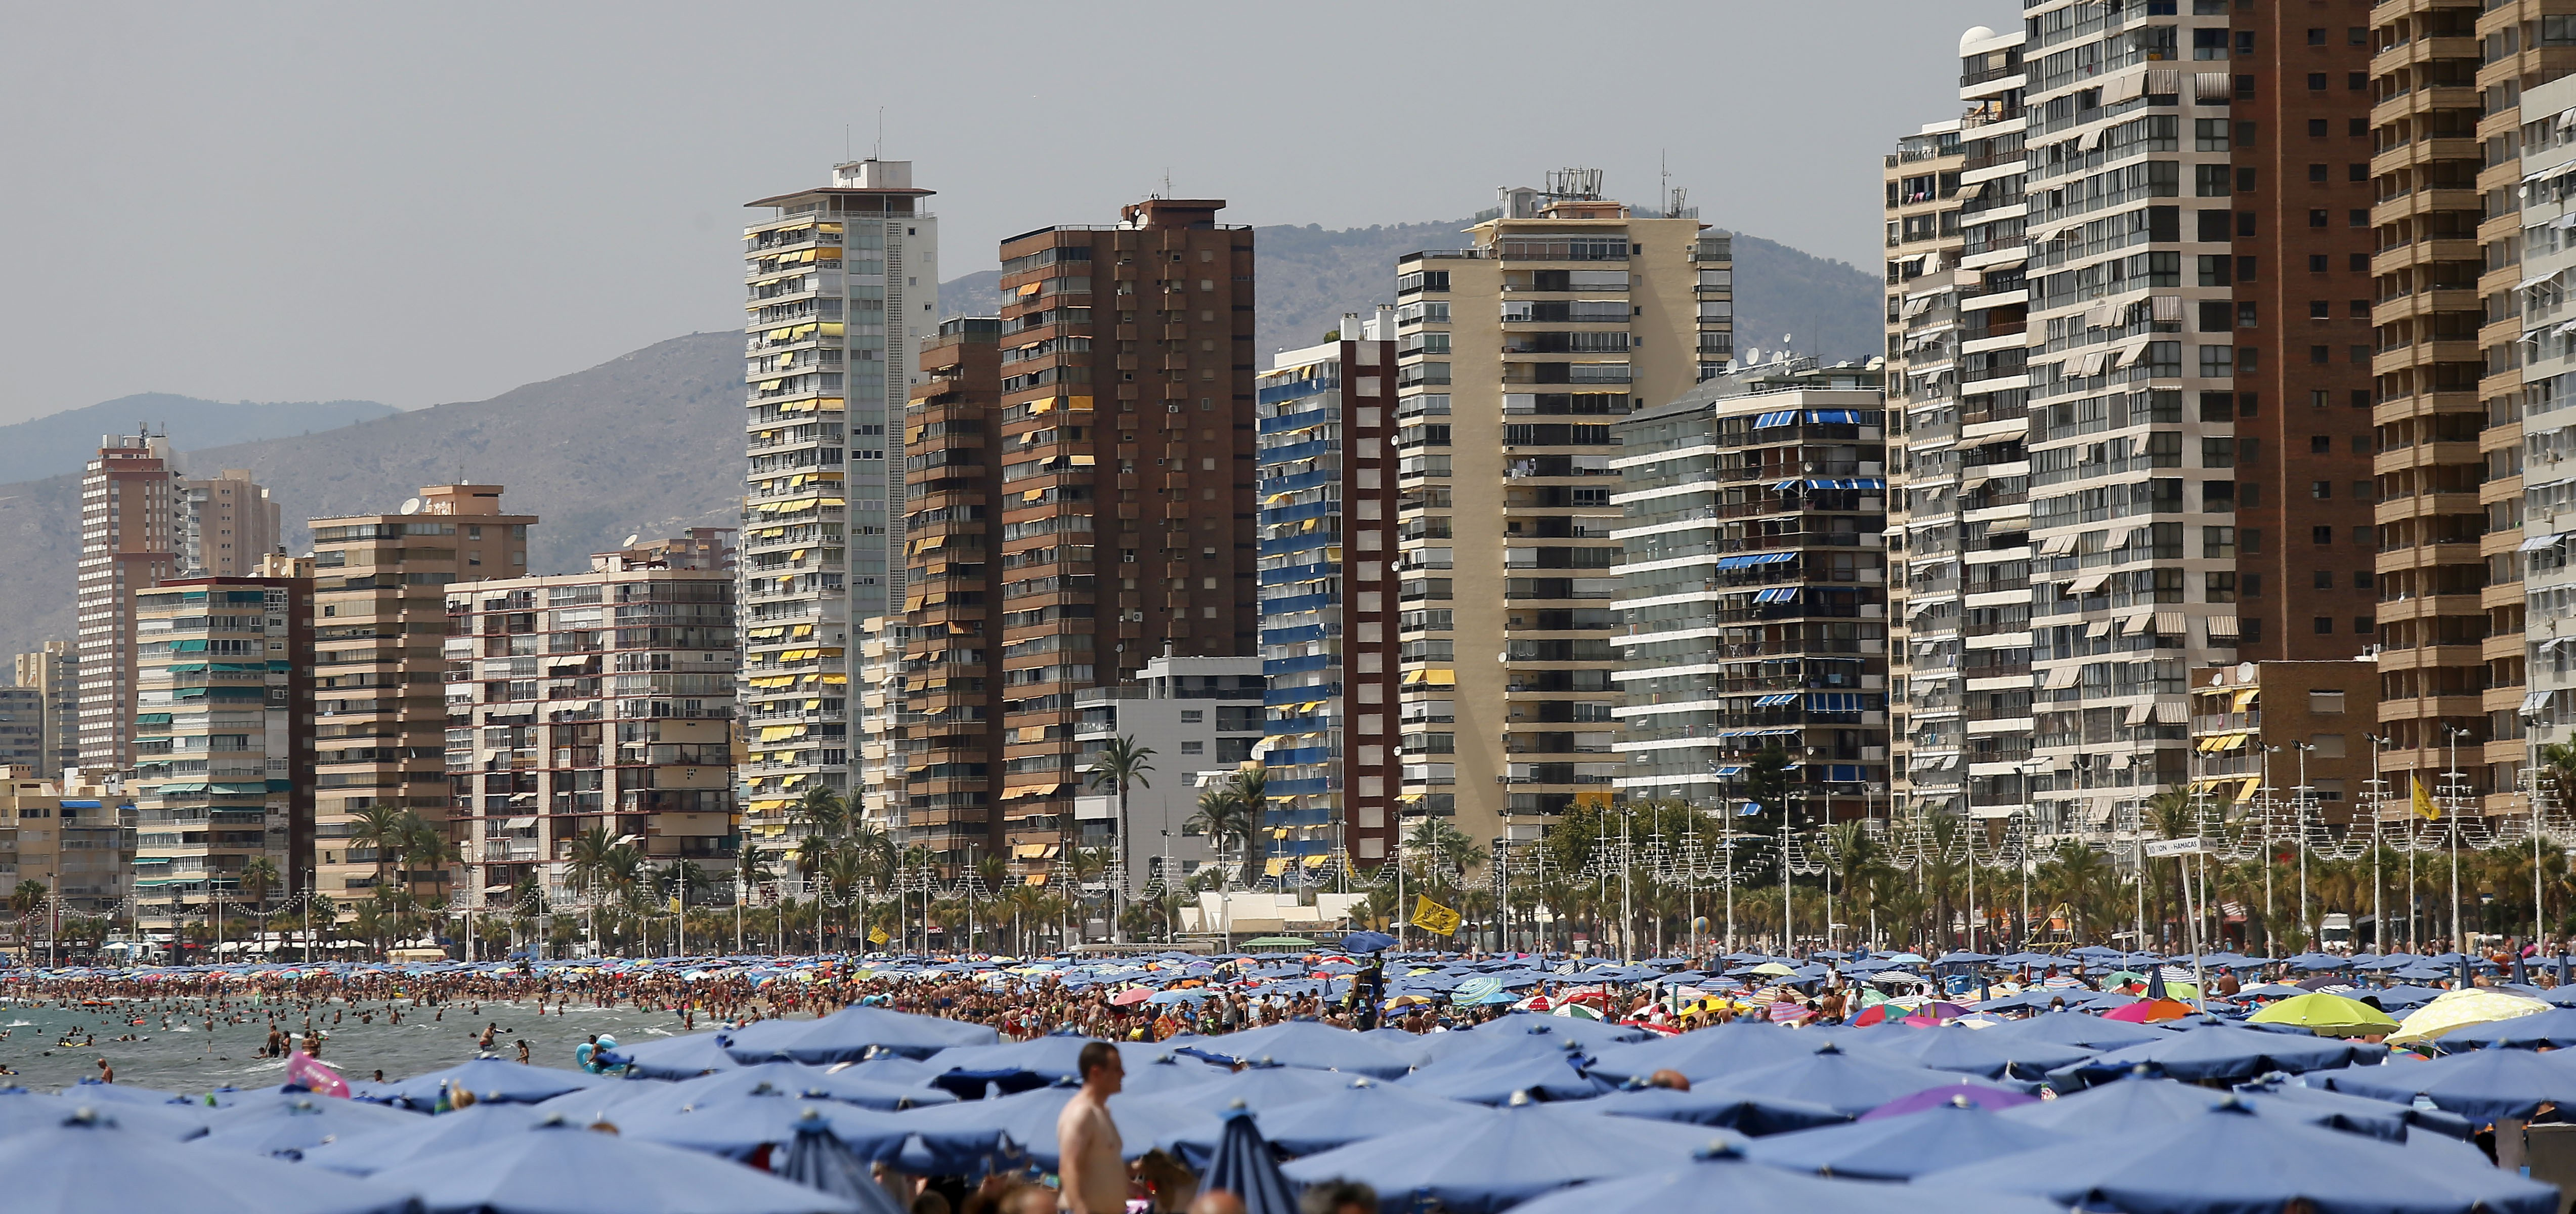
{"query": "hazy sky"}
[(422, 203)]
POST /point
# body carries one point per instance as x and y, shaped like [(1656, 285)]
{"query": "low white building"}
[(1198, 715)]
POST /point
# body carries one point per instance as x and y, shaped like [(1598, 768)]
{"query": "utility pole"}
[(2458, 784), (2299, 798), (1627, 905)]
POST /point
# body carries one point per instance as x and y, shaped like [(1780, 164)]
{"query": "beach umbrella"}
[(91, 1164), (2455, 1010), (1713, 1105), (678, 1057), (1592, 1035), (2481, 1085), (817, 1160), (1901, 1148), (1976, 1094), (1709, 1054), (492, 1081), (2327, 1014), (1525, 1150), (2282, 1096), (557, 1169), (1849, 1082), (364, 1154), (2228, 1161), (785, 1078), (2139, 1101), (738, 1124), (22, 1111), (2211, 1050), (2078, 1029), (2553, 1029), (289, 1129), (2155, 1010), (1363, 1108), (1723, 1181), (1245, 1167), (1260, 1089), (1971, 1052), (957, 1139), (1308, 1044), (1366, 942), (849, 1034)]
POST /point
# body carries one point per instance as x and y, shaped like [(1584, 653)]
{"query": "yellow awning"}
[(780, 733), (1433, 677), (2234, 741), (811, 705), (1031, 288), (1315, 861), (1276, 865), (835, 679), (1080, 404), (2246, 697)]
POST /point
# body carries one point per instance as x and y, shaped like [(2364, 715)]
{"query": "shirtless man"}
[(1087, 1143)]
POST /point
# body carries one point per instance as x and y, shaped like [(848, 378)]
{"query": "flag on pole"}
[(1434, 918), (876, 935), (2424, 807)]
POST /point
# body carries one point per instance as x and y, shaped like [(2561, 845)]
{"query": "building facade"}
[(1127, 476), (77, 842), (380, 639), (1202, 718), (600, 700), (1515, 357), (1327, 426), (223, 735), (841, 282), (53, 672), (22, 728), (1752, 593), (2253, 723), (231, 524), (951, 669), (134, 529), (1958, 397), (2546, 554)]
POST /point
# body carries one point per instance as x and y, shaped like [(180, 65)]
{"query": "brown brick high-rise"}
[(952, 676)]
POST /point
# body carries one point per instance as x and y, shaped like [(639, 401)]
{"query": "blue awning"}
[(1772, 701), (1735, 770), (1777, 594), (1782, 417), (1757, 558), (1835, 482), (1834, 417)]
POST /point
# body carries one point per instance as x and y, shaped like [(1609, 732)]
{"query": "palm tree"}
[(2556, 769), (1440, 853), (380, 829), (824, 811), (2082, 883), (1122, 764), (258, 876), (750, 869), (843, 872), (1224, 816), (589, 862)]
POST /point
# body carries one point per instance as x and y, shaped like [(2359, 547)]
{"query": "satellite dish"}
[(411, 505), (630, 540)]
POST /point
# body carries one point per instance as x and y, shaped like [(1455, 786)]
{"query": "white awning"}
[(522, 823)]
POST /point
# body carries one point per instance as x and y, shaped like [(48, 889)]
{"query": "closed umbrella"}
[(561, 1170), (817, 1160), (1244, 1167), (2327, 1015), (2228, 1161), (1527, 1149), (1901, 1148), (91, 1164)]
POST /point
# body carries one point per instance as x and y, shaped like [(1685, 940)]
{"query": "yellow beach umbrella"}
[(2327, 1015), (2460, 1009)]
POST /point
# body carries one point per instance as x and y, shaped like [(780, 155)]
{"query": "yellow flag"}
[(2424, 806), (876, 935), (1432, 917)]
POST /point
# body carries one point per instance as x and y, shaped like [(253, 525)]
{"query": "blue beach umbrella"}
[(2228, 1161), (91, 1164), (375, 1150), (1973, 1052), (2078, 1029), (2554, 1029), (1364, 1108), (290, 1129), (737, 1125), (1308, 1044), (1709, 1054), (679, 1057), (849, 1034), (562, 1170), (1714, 1105), (1526, 1150), (1848, 1082), (1901, 1148), (784, 1078), (2481, 1085), (2224, 1051), (1723, 1181), (22, 1111), (492, 1081), (1245, 1167)]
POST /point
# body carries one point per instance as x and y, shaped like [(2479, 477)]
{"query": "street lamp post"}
[(2456, 782), (2299, 804)]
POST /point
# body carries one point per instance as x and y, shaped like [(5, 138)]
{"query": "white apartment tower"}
[(841, 279)]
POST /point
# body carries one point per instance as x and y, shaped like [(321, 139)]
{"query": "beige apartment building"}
[(78, 842), (1567, 311), (133, 526), (380, 621), (231, 524)]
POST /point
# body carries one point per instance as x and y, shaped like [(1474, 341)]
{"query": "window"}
[(2209, 180), (2250, 540), (2326, 745), (2216, 316), (2317, 261), (2316, 82), (1192, 716), (2212, 226), (2360, 263), (2218, 588), (2364, 625), (2320, 309), (2320, 355), (2320, 490), (2214, 270), (2218, 542), (2361, 579), (2317, 128), (2320, 444), (2356, 81), (2321, 536), (2325, 703), (2217, 453), (2317, 173), (2324, 579), (2325, 625), (2217, 362), (2365, 535), (2209, 134), (1193, 747), (2251, 585)]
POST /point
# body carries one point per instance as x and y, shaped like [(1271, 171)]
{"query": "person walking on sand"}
[(1091, 1153)]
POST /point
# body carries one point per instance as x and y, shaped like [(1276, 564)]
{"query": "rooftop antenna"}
[(879, 154), (845, 141)]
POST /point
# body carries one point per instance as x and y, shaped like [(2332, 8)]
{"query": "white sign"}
[(2176, 847)]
